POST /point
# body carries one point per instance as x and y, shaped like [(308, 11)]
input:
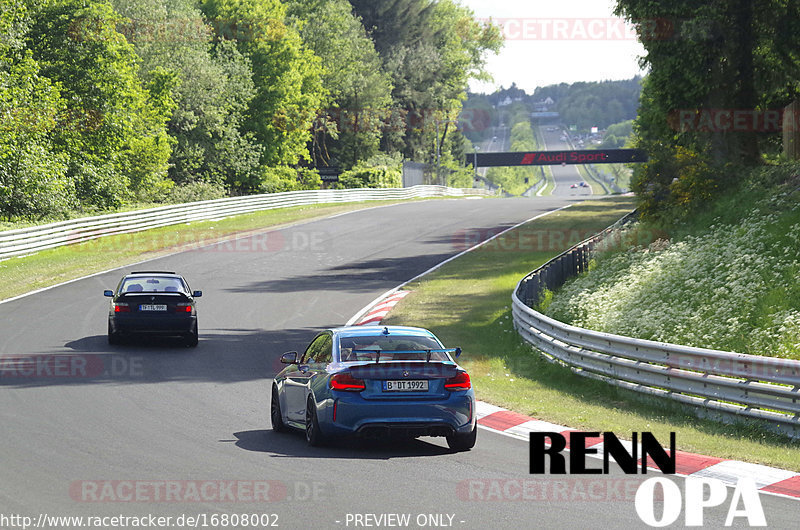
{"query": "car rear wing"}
[(428, 353)]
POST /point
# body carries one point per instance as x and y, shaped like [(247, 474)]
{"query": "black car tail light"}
[(183, 307), (459, 382), (347, 382), (121, 307)]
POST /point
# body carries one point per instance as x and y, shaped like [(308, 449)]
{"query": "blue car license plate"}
[(414, 385)]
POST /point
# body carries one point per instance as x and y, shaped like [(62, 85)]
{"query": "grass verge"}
[(53, 266), (598, 187), (550, 184), (467, 303)]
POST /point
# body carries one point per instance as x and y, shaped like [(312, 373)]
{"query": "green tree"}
[(431, 49), (116, 141), (738, 55), (380, 171), (33, 181), (350, 129), (212, 96), (594, 104), (286, 76)]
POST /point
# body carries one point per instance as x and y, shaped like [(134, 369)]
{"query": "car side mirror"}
[(458, 352), (289, 357), (197, 294), (108, 293)]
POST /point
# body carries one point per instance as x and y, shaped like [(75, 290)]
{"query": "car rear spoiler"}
[(456, 351)]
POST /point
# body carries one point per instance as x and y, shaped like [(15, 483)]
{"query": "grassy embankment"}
[(726, 278), (467, 303)]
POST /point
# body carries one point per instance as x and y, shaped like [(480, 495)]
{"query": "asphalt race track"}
[(155, 428), (566, 175)]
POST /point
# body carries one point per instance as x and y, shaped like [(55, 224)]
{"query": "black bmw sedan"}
[(153, 302)]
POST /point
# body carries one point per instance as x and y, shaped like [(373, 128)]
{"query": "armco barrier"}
[(721, 385), (29, 240)]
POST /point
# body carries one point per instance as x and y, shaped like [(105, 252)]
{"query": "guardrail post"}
[(791, 136)]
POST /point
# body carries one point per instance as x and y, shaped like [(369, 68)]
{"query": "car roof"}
[(154, 273), (361, 331)]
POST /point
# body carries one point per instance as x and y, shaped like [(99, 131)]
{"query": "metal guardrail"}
[(722, 385), (36, 238)]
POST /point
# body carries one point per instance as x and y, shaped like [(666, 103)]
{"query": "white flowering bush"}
[(735, 287)]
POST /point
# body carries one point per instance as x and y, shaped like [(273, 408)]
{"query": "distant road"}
[(565, 176), (499, 141)]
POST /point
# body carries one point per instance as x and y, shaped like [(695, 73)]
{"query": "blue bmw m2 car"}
[(375, 381)]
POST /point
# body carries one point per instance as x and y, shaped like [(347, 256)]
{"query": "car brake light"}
[(459, 382), (347, 382), (183, 308), (122, 308)]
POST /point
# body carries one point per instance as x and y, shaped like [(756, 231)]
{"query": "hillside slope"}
[(726, 279)]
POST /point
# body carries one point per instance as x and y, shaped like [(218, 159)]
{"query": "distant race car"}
[(375, 381), (583, 184), (153, 302), (573, 186)]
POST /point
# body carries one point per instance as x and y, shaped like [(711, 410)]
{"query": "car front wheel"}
[(275, 411)]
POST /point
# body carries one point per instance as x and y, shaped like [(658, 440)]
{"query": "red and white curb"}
[(378, 310), (377, 313), (767, 479)]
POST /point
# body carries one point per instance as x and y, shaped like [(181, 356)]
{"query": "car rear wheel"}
[(113, 338), (192, 338), (313, 434), (463, 442), (275, 411)]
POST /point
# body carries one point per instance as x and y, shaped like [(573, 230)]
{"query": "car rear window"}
[(392, 348), (152, 284)]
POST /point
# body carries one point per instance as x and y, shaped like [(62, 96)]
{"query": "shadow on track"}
[(223, 356), (353, 277), (293, 445)]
